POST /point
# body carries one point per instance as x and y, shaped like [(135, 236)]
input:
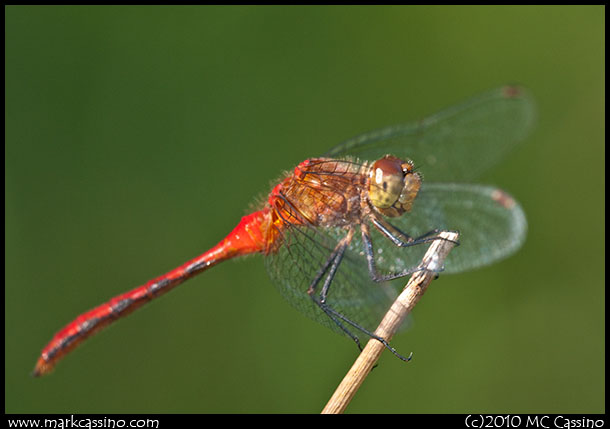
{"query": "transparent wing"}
[(491, 223), (458, 143)]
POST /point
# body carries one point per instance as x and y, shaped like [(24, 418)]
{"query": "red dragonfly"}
[(334, 230)]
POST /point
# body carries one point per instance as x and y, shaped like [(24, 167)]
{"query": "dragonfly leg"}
[(331, 265), (370, 259), (402, 239), (370, 255), (330, 313), (370, 334)]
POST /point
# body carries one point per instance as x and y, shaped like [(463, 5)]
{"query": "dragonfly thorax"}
[(393, 185)]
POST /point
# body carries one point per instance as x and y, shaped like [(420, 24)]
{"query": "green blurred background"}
[(136, 138)]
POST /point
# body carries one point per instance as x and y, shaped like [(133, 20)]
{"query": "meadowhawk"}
[(338, 229)]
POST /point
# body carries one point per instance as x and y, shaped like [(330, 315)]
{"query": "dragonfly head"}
[(393, 185)]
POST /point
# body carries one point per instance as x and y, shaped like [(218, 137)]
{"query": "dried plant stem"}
[(413, 291)]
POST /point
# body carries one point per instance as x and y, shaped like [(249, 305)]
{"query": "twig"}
[(413, 291)]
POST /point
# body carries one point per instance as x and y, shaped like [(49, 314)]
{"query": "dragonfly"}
[(338, 231)]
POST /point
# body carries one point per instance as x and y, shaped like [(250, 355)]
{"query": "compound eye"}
[(386, 182)]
